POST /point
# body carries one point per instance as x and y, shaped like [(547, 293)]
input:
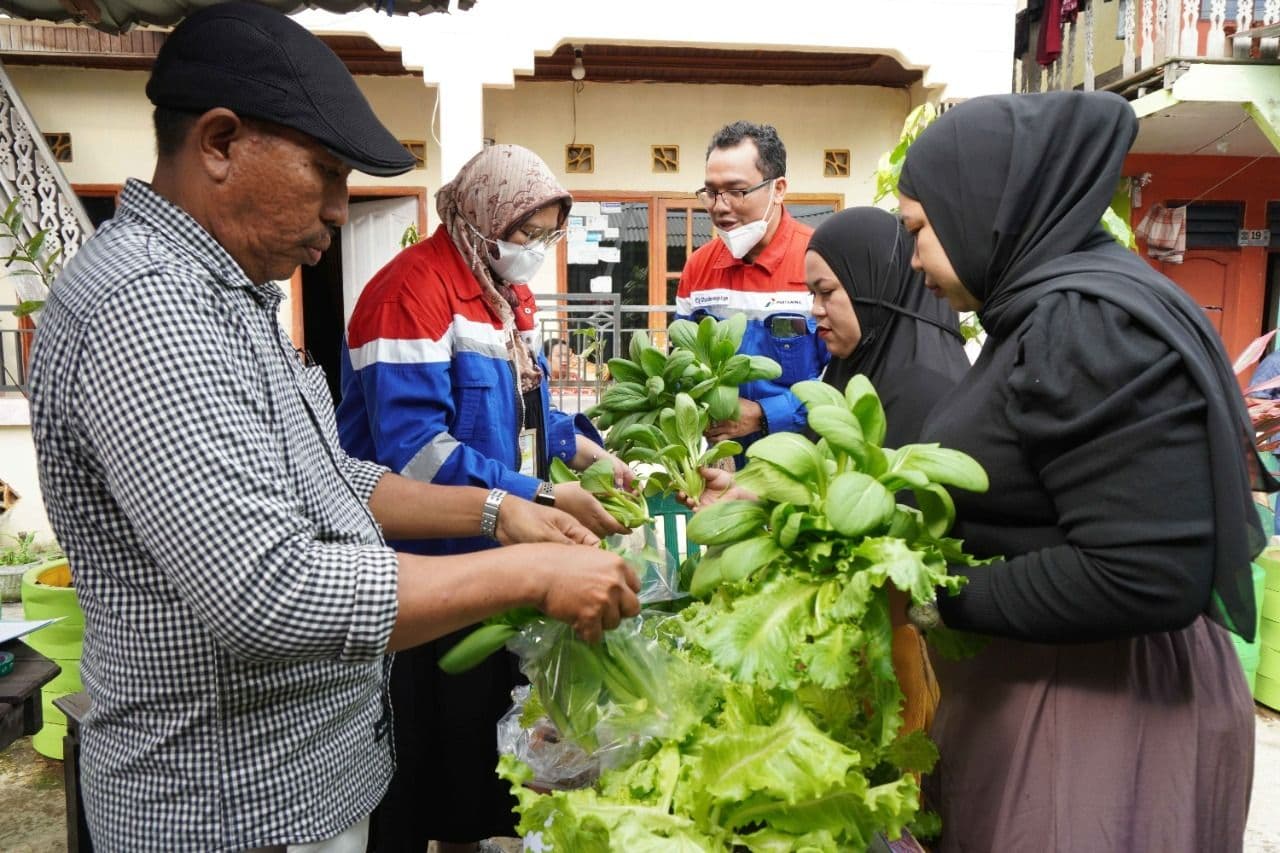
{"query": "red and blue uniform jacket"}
[(771, 291), (428, 388)]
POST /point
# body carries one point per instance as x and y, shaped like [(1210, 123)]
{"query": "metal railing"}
[(582, 331), (15, 346), (1156, 33)]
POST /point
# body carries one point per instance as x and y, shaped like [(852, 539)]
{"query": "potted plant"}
[(15, 559)]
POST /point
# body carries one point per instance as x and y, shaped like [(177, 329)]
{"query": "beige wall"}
[(18, 469), (109, 119), (623, 120)]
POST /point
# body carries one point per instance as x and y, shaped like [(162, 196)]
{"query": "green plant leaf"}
[(830, 659), (839, 427), (639, 341), (732, 563), (688, 422), (769, 482), (857, 504), (678, 362), (719, 450), (683, 333), (937, 510), (722, 403), (914, 752), (814, 393), (652, 361), (792, 453), (624, 370), (759, 642), (726, 522), (864, 403), (735, 370), (559, 472), (763, 367), (733, 329), (706, 339), (949, 467)]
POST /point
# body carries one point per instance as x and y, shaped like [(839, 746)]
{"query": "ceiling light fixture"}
[(579, 71)]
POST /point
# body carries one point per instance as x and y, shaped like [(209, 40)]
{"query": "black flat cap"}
[(259, 63)]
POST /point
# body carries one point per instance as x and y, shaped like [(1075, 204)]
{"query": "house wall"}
[(109, 119), (1241, 270)]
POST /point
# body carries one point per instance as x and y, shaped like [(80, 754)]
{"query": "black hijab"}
[(903, 325), (1015, 187)]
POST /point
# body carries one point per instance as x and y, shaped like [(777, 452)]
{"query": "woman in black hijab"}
[(876, 318), (1110, 711)]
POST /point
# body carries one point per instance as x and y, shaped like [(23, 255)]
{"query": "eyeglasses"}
[(542, 236), (709, 197)]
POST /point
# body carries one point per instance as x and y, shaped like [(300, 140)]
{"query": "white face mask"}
[(515, 264), (744, 238)]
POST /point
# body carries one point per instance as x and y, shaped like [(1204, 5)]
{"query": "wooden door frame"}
[(297, 324)]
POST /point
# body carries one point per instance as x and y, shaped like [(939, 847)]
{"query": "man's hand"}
[(525, 521), (720, 487), (750, 420), (588, 588), (583, 506)]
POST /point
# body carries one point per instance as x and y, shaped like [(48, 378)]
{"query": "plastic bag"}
[(603, 701), (556, 763)]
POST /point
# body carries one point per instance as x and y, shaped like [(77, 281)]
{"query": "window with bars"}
[(1213, 224)]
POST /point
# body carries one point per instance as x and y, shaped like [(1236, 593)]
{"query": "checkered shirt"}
[(238, 595)]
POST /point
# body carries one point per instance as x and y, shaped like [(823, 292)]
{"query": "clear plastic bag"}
[(594, 706), (556, 763)]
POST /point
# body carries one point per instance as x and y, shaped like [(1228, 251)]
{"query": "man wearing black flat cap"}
[(239, 597)]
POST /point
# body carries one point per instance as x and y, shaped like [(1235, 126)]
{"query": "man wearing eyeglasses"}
[(756, 268)]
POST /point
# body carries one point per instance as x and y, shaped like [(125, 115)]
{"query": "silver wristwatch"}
[(489, 514), (546, 494)]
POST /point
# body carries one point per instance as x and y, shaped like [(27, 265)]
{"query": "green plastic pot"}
[(61, 642)]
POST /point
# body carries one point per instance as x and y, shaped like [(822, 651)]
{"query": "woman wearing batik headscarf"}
[(442, 382), (1109, 711)]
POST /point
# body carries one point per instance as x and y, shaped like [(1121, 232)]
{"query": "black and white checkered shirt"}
[(238, 596)]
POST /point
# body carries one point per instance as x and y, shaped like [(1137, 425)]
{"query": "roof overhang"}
[(114, 16), (1213, 109)]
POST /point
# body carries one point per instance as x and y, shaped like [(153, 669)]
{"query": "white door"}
[(370, 238)]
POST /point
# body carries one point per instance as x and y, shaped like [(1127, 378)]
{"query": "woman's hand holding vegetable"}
[(586, 508), (588, 452), (525, 521), (719, 487)]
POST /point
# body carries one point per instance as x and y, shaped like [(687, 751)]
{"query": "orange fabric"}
[(911, 666), (915, 677), (779, 267)]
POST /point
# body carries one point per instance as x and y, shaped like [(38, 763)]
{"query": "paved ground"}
[(1263, 833)]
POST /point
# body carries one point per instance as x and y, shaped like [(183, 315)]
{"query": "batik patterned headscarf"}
[(495, 191)]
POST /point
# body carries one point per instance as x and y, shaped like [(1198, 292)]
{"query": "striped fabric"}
[(238, 596), (428, 387)]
